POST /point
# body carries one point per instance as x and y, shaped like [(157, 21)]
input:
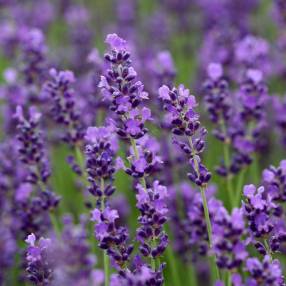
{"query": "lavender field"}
[(142, 142)]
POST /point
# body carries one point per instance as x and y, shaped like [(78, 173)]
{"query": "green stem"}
[(228, 178), (239, 187), (214, 267), (255, 169), (105, 256), (53, 218), (136, 153), (106, 268), (192, 276), (228, 278), (209, 230), (226, 154), (268, 249), (173, 266), (55, 224)]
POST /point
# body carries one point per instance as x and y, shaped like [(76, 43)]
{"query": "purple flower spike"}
[(124, 91), (64, 110), (39, 260), (31, 150), (180, 106)]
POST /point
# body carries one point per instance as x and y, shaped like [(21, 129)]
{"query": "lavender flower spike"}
[(100, 167), (39, 261), (189, 135), (126, 95)]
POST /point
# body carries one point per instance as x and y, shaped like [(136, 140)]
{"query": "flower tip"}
[(31, 239), (164, 92), (115, 42), (255, 75), (215, 70)]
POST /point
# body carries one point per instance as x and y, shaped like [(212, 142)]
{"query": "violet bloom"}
[(228, 243), (267, 272), (31, 150), (188, 222), (262, 215), (32, 210), (253, 52), (8, 250), (250, 121), (34, 52), (100, 166), (279, 107), (64, 111), (39, 261), (146, 161), (143, 275), (125, 93), (218, 102), (180, 105), (111, 238), (100, 162), (80, 34), (74, 262), (152, 206), (217, 97), (274, 180)]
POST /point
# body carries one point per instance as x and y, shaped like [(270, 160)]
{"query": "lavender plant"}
[(112, 173)]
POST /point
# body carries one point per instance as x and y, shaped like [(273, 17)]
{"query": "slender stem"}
[(173, 266), (206, 213), (209, 229), (53, 218), (239, 187), (228, 177), (55, 224), (136, 153), (226, 155), (79, 157), (81, 162), (102, 191), (268, 249), (192, 275), (105, 256), (255, 169), (106, 268)]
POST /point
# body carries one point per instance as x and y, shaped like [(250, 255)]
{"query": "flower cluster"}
[(153, 209), (228, 244), (31, 149), (100, 163), (39, 260), (125, 93), (180, 105), (112, 238), (64, 111)]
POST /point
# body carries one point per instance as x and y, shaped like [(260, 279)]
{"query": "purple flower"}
[(228, 243), (115, 42), (180, 105), (60, 92), (266, 272), (39, 260), (31, 145), (124, 91)]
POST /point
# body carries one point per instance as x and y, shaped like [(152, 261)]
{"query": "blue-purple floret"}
[(180, 107)]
